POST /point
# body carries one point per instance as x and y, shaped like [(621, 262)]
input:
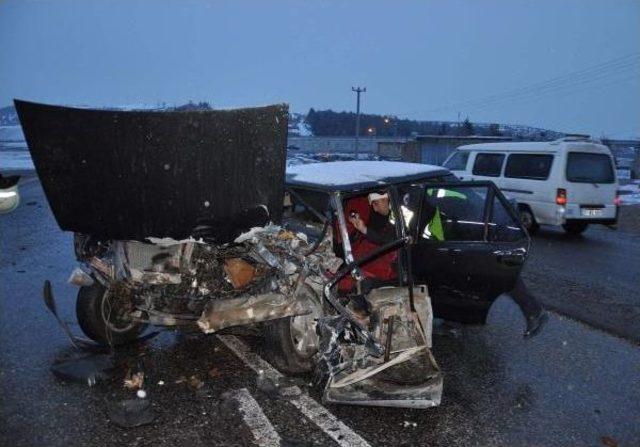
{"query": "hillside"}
[(330, 123)]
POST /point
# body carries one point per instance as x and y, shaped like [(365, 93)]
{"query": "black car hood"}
[(137, 174)]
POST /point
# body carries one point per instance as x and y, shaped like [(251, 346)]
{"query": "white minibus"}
[(570, 182)]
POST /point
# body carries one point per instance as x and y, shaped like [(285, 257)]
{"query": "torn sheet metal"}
[(406, 376), (127, 175), (220, 314)]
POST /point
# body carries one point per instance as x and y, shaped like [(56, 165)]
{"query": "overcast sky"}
[(572, 66)]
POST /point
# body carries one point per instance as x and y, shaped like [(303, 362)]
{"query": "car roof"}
[(356, 175), (536, 146)]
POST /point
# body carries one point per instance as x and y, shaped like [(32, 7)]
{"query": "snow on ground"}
[(304, 129), (11, 133), (630, 193), (15, 161)]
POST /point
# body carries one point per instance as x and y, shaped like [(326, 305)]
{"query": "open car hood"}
[(137, 174)]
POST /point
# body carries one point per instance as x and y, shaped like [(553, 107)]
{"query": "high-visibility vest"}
[(434, 227)]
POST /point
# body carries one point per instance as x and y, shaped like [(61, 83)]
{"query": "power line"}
[(562, 91), (586, 75)]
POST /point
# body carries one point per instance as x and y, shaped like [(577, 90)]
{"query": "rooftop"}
[(349, 175)]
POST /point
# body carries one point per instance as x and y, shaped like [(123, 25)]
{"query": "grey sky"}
[(420, 60)]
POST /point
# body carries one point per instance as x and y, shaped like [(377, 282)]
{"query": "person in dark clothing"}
[(379, 229), (530, 307)]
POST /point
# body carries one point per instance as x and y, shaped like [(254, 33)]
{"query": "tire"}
[(292, 342), (575, 227), (283, 347), (91, 311), (528, 220)]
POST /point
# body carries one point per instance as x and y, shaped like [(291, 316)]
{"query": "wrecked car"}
[(188, 219)]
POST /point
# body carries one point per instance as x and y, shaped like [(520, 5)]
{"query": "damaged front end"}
[(210, 185), (265, 274)]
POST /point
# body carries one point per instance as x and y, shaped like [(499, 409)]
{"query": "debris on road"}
[(195, 383), (88, 370), (131, 413), (134, 381)]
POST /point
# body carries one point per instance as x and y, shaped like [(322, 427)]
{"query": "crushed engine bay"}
[(267, 273)]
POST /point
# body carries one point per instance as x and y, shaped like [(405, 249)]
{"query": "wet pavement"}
[(571, 385), (594, 277)]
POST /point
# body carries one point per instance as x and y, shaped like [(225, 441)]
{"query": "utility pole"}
[(358, 90)]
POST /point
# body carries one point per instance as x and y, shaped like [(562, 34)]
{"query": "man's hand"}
[(357, 222)]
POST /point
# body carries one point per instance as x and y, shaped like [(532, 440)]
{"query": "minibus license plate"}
[(591, 212)]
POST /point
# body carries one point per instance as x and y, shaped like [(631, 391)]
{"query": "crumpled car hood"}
[(135, 174)]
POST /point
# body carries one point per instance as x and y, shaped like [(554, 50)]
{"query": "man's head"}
[(380, 202)]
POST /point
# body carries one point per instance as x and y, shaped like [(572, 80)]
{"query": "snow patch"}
[(350, 172)]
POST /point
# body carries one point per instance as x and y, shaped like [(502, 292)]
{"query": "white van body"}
[(535, 173)]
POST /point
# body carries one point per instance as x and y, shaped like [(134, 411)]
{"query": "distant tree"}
[(467, 127), (494, 130)]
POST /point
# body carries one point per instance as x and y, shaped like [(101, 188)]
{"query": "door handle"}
[(510, 259)]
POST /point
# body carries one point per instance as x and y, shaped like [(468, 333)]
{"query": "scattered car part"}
[(88, 370), (50, 302), (131, 413)]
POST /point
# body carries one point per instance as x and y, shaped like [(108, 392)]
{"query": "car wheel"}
[(528, 220), (574, 227), (103, 317), (292, 342)]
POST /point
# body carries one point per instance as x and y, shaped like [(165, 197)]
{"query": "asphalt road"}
[(594, 277), (571, 385)]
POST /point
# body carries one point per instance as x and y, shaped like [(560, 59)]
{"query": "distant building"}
[(431, 149), (626, 153)]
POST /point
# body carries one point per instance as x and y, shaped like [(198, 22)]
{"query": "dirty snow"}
[(630, 194)]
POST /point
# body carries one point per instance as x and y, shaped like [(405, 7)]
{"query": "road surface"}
[(571, 385)]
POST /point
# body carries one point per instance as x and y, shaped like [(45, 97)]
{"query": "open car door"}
[(469, 246)]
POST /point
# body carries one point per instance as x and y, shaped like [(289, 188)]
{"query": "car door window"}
[(489, 165), (456, 213), (453, 213), (502, 225)]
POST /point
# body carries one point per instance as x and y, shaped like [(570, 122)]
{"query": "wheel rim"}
[(303, 334), (113, 315)]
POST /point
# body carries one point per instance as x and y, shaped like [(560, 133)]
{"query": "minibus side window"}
[(489, 165), (528, 166), (457, 162)]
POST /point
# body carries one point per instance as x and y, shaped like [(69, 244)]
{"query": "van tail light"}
[(617, 200), (561, 196)]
